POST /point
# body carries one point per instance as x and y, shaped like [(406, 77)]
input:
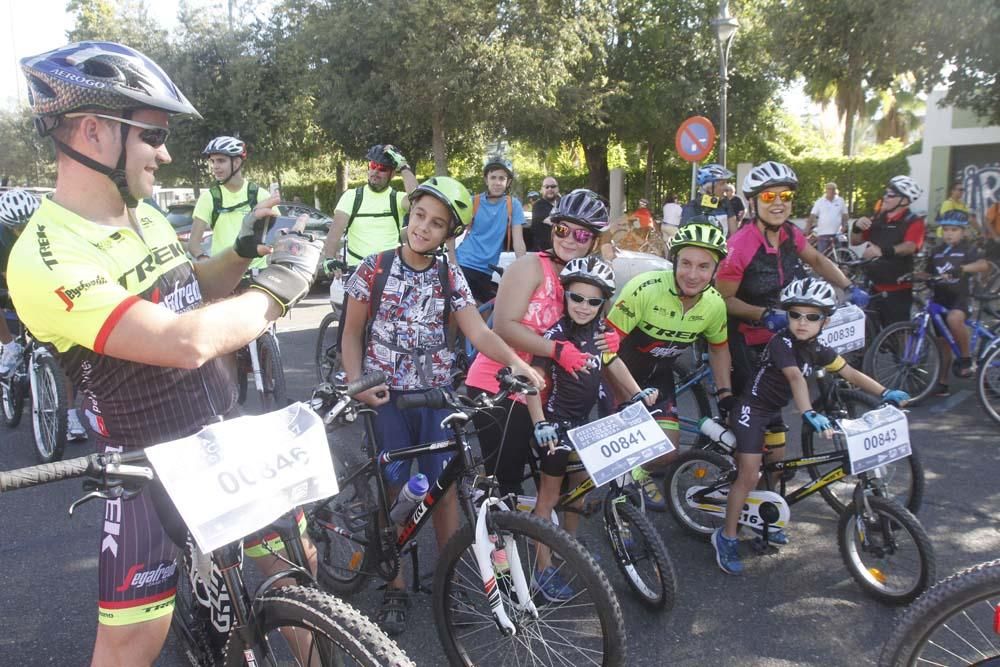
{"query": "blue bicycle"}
[(906, 356)]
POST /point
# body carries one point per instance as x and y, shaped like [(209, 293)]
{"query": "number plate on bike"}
[(845, 332), (879, 437), (233, 478), (612, 446)]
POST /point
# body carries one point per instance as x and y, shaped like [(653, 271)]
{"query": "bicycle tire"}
[(342, 563), (988, 383), (190, 622), (12, 402), (464, 621), (48, 408), (272, 375), (940, 621), (697, 401), (695, 468), (657, 590), (883, 361), (343, 631), (874, 578), (326, 349), (904, 479)]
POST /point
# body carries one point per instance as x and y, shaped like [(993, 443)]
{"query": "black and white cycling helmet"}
[(228, 146), (16, 207), (809, 292), (768, 175), (711, 173), (905, 186), (582, 207), (593, 270)]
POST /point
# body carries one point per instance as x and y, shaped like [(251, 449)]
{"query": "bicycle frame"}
[(934, 313)]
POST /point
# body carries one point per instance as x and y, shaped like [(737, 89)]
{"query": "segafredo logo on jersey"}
[(71, 294), (148, 267), (183, 297), (138, 576)]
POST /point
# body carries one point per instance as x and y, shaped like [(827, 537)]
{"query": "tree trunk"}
[(650, 156), (596, 155), (341, 177), (438, 144), (848, 147)]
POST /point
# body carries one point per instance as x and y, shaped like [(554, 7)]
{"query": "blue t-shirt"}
[(484, 242)]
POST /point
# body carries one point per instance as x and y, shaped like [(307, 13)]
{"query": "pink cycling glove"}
[(569, 357), (613, 339)]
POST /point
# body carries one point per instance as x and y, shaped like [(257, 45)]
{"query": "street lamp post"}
[(725, 30)]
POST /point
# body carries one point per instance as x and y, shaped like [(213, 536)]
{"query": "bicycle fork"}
[(485, 550)]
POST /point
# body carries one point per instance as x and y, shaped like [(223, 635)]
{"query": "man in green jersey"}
[(659, 314)]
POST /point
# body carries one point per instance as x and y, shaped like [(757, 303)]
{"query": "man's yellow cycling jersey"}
[(653, 323), (73, 280)]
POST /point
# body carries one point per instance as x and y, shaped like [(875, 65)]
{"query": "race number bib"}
[(845, 332), (614, 445), (233, 478), (879, 437)]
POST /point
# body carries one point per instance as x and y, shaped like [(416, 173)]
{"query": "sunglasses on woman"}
[(595, 302), (563, 230), (769, 197), (154, 135), (810, 317)]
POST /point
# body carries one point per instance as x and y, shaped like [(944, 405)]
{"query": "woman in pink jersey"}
[(529, 302)]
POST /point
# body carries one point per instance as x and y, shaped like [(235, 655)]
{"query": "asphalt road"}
[(798, 606)]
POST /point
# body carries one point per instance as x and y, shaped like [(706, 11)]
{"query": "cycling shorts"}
[(660, 376), (754, 428), (952, 300), (397, 429), (564, 459)]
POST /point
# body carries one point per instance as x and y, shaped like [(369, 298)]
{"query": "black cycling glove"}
[(251, 234)]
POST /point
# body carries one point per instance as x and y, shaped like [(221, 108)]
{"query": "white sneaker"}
[(74, 429), (11, 355)]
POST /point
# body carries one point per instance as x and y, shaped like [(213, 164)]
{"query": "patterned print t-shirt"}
[(408, 341)]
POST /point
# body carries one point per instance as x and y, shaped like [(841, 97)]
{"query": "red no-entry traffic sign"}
[(695, 138)]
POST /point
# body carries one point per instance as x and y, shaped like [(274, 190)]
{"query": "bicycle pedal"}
[(757, 544)]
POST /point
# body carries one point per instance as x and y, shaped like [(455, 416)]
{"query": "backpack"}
[(218, 208), (510, 218), (359, 193), (383, 265)]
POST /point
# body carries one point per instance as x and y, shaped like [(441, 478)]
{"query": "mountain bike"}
[(216, 617), (39, 377), (327, 338), (905, 355), (261, 360), (485, 610), (956, 622), (883, 545)]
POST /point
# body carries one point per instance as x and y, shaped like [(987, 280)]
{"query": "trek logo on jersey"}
[(44, 248), (138, 577), (674, 334), (147, 267), (69, 295), (183, 297)]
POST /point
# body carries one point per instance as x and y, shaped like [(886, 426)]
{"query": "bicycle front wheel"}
[(326, 347), (586, 629), (344, 528), (48, 407), (953, 624), (691, 470), (887, 551), (903, 480), (272, 375), (640, 553), (900, 359), (988, 383), (12, 401), (305, 626)]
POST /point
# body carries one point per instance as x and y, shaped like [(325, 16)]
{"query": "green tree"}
[(27, 158), (124, 21)]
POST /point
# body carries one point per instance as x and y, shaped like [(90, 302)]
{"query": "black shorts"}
[(751, 425), (893, 307), (564, 459), (659, 375), (481, 284), (952, 300), (745, 358)]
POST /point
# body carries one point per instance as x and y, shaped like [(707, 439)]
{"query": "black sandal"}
[(392, 615), (963, 368), (941, 390)]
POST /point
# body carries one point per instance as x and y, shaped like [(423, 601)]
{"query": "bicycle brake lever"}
[(113, 493)]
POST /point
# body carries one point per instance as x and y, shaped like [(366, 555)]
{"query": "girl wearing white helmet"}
[(765, 255), (894, 235), (780, 376)]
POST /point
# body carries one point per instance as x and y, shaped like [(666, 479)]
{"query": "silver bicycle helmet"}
[(593, 270), (905, 186), (582, 207), (768, 175), (809, 292), (16, 207), (711, 173), (228, 146)]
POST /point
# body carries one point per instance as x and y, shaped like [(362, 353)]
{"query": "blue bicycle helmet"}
[(954, 218), (711, 173)]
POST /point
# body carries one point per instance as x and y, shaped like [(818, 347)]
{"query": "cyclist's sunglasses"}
[(154, 135), (378, 166), (810, 317), (563, 230), (769, 197), (596, 302)]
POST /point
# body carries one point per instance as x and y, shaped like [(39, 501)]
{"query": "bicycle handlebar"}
[(44, 473), (439, 398), (434, 399), (363, 384)]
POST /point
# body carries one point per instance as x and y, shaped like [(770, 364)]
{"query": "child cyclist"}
[(403, 334), (788, 358), (588, 283), (955, 258)]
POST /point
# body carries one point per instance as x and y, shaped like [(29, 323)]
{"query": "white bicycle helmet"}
[(229, 146), (768, 175), (16, 207), (593, 270), (905, 186), (809, 292)]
